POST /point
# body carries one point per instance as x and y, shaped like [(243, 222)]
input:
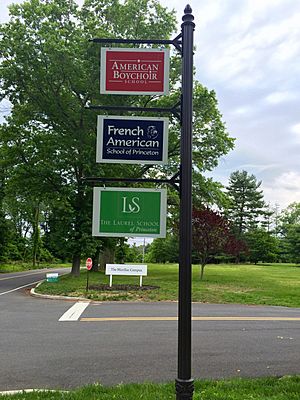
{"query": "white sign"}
[(52, 277), (125, 269)]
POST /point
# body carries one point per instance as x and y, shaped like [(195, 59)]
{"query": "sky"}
[(248, 52)]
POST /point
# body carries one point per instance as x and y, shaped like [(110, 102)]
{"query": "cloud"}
[(285, 189), (256, 168), (281, 97), (296, 129), (251, 41), (289, 181), (250, 11)]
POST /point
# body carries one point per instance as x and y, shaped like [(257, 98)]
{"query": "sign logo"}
[(152, 132), (132, 140), (125, 212), (134, 71), (131, 207)]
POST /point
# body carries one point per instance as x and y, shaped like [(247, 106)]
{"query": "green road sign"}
[(126, 212)]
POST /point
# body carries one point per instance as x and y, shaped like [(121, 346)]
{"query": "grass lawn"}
[(270, 284), (285, 388), (26, 266)]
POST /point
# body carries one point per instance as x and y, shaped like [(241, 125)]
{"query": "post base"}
[(184, 389)]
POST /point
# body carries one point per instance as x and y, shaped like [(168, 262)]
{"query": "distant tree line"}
[(246, 229)]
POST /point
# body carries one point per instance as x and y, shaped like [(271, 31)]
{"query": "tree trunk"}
[(107, 257), (35, 235), (202, 271), (96, 256), (79, 202), (76, 265)]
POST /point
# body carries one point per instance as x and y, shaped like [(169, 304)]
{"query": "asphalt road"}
[(42, 347)]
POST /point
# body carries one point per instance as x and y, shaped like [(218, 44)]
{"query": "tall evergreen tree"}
[(247, 204)]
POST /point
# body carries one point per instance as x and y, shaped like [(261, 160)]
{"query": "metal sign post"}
[(89, 265), (128, 82), (184, 384)]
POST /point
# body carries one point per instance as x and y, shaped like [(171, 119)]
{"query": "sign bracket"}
[(172, 181), (175, 110), (176, 42)]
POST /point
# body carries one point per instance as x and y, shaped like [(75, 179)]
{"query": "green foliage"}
[(292, 240), (50, 73), (48, 70), (247, 203), (210, 137), (289, 227), (163, 250), (20, 266), (3, 237), (262, 246), (126, 253), (291, 215)]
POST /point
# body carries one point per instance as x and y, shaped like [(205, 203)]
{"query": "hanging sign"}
[(132, 140), (134, 71), (126, 212)]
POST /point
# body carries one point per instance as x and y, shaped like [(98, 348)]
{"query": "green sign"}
[(126, 212)]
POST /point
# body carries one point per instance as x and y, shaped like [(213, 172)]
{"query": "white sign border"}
[(104, 50), (99, 146), (96, 212), (143, 267)]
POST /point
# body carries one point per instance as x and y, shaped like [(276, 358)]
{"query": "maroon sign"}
[(134, 71), (89, 263)]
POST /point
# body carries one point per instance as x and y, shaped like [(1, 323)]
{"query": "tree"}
[(289, 227), (163, 250), (262, 246), (290, 216), (247, 204), (236, 247), (292, 239), (3, 228), (49, 73), (211, 233)]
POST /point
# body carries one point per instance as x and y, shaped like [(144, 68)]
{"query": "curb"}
[(11, 392), (68, 298), (55, 297)]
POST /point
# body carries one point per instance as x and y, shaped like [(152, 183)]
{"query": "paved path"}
[(65, 344)]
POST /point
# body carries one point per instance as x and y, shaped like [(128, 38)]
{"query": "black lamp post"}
[(184, 383)]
